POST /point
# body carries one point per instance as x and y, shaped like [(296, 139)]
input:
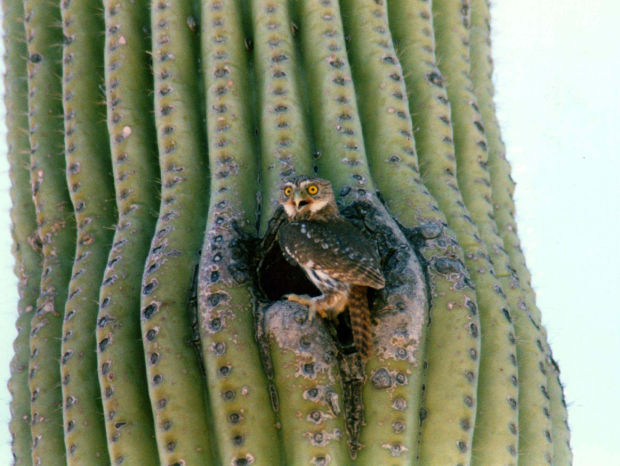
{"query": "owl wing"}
[(335, 247)]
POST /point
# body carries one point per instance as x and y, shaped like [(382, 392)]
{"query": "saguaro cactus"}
[(168, 340)]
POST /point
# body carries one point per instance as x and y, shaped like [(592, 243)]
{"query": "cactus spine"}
[(199, 358)]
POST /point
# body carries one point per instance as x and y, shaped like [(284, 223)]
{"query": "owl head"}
[(304, 197)]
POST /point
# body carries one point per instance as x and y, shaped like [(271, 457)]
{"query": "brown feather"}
[(335, 247)]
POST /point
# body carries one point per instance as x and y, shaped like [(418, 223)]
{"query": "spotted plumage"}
[(335, 256)]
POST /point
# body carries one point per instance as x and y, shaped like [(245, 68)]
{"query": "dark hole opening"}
[(278, 277)]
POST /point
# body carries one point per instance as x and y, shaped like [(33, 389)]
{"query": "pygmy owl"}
[(333, 253)]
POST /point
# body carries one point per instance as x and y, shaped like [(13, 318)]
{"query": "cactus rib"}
[(178, 397), (310, 392), (562, 453), (120, 355), (26, 249), (91, 190), (56, 226), (19, 426), (284, 134), (244, 423), (336, 127), (122, 372), (502, 184)]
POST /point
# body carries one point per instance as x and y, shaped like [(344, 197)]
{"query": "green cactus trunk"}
[(168, 339)]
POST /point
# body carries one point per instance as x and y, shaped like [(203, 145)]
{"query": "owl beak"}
[(300, 200)]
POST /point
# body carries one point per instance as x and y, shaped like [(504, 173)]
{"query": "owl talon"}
[(310, 303), (311, 313), (313, 310)]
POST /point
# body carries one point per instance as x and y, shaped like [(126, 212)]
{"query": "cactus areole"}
[(149, 143)]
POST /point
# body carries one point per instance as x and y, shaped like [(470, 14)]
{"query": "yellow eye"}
[(287, 191), (312, 189)]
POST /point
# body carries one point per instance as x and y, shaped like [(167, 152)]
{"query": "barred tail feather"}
[(360, 320)]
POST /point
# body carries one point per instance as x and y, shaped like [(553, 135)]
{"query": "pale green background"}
[(557, 79)]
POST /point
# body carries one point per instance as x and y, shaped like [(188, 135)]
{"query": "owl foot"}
[(311, 303), (302, 299)]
